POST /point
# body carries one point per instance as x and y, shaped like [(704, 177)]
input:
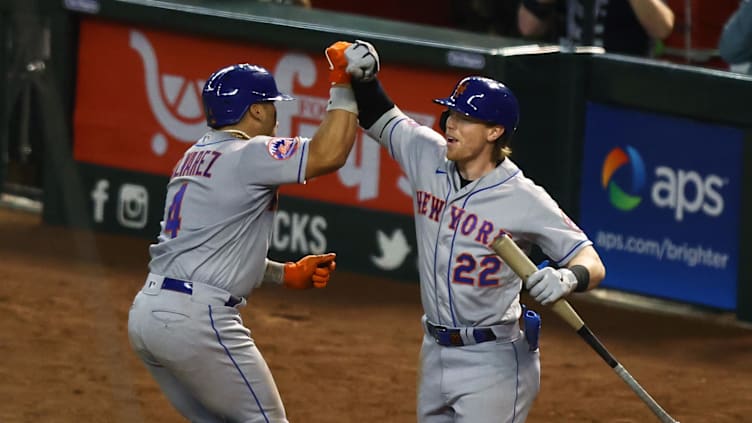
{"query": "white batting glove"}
[(362, 61), (548, 284)]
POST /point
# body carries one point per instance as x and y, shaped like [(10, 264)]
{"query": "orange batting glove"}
[(335, 55), (310, 271)]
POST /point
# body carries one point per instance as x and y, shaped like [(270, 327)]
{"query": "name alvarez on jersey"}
[(196, 163)]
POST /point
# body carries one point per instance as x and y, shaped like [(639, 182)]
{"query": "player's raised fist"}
[(335, 55), (311, 271), (362, 60)]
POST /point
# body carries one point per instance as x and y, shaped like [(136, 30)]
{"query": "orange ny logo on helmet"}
[(459, 90)]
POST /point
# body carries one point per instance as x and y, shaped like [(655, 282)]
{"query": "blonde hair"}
[(504, 151)]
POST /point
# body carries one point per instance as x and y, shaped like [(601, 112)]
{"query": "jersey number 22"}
[(466, 265)]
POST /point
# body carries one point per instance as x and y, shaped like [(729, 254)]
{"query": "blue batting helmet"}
[(484, 99), (230, 91)]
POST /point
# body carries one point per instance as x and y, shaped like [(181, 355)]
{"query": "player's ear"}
[(495, 132), (256, 111)]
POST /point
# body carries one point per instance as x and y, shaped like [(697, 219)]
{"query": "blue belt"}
[(451, 337), (185, 287)]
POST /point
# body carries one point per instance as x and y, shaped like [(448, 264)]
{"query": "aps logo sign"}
[(684, 191), (615, 160)]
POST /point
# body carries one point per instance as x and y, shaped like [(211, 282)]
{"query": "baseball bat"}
[(518, 261)]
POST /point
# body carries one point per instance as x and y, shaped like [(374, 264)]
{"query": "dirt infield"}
[(344, 354)]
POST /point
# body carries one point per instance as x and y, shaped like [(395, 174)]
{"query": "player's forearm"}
[(373, 102), (379, 131), (589, 259), (335, 137), (332, 143), (655, 17)]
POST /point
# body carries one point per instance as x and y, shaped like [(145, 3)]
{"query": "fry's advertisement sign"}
[(138, 107)]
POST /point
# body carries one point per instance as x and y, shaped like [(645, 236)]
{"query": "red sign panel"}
[(138, 106)]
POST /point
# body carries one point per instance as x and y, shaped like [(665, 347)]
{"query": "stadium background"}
[(106, 102)]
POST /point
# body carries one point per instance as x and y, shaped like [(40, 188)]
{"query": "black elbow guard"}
[(372, 101)]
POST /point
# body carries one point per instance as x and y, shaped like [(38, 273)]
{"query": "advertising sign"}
[(138, 106), (126, 202), (660, 199)]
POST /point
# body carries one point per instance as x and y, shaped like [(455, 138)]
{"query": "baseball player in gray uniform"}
[(211, 252), (477, 365)]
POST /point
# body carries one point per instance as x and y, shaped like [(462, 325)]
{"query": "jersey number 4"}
[(172, 224), (465, 269)]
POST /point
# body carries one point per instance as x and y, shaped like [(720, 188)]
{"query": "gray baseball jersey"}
[(211, 252), (464, 285), (220, 207)]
